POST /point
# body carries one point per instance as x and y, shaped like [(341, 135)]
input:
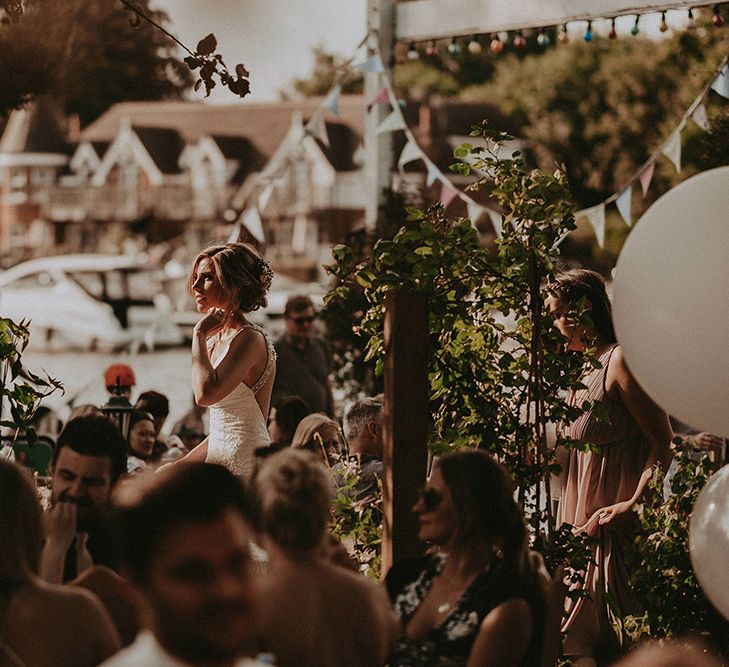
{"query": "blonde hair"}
[(294, 492), (310, 426), (244, 277), (21, 532)]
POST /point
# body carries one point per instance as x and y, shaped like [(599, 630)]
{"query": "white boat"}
[(90, 301)]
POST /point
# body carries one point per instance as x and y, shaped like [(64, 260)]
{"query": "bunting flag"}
[(646, 176), (392, 123), (373, 64), (382, 97), (721, 83), (596, 217), (332, 99), (265, 196), (475, 211), (700, 117), (497, 220), (672, 148), (410, 153), (447, 194), (251, 219), (234, 235), (623, 203), (433, 174), (317, 127)]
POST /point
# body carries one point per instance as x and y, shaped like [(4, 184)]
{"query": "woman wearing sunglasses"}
[(476, 601)]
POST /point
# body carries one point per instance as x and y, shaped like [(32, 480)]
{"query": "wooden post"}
[(407, 418), (378, 147)]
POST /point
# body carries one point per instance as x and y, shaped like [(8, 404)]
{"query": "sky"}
[(272, 38)]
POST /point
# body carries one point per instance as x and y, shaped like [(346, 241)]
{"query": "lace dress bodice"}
[(237, 425)]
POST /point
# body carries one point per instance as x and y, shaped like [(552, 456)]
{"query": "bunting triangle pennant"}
[(382, 97), (672, 148), (497, 220), (234, 235), (332, 100), (623, 203), (475, 211), (646, 177), (596, 217), (251, 219), (373, 64), (265, 196), (317, 127), (433, 174), (410, 153), (447, 194), (392, 123), (700, 117), (721, 82)]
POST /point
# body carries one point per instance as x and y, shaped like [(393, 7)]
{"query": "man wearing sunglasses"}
[(304, 360)]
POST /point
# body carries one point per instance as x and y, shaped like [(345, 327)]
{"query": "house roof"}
[(35, 129), (264, 126), (164, 146)]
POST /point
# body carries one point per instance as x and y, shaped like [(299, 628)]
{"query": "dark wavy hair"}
[(483, 496), (243, 276), (575, 284)]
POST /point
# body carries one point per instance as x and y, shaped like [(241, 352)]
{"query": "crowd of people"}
[(210, 544)]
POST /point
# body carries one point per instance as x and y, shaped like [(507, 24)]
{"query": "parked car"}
[(90, 300)]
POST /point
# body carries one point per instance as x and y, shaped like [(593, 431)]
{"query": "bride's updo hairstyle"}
[(243, 275), (294, 491)]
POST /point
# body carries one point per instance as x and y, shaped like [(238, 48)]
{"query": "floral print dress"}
[(449, 644)]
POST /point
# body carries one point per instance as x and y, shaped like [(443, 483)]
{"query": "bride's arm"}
[(211, 384)]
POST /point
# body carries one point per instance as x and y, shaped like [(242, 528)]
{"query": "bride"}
[(233, 360)]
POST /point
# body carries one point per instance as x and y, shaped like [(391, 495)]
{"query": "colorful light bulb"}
[(432, 49), (613, 34), (474, 46), (717, 20), (497, 46), (454, 48), (563, 37), (413, 53), (588, 33), (543, 38), (691, 26), (635, 29), (519, 41), (663, 27)]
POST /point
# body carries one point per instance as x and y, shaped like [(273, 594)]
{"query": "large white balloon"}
[(709, 540), (671, 294)]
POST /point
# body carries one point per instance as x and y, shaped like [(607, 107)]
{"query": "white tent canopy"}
[(433, 19)]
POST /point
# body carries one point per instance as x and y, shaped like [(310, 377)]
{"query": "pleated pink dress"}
[(591, 481)]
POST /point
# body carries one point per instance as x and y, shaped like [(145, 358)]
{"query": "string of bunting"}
[(412, 152)]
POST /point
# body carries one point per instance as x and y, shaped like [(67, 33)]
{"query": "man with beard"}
[(89, 458), (184, 539)]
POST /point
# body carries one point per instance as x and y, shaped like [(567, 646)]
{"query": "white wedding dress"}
[(237, 425)]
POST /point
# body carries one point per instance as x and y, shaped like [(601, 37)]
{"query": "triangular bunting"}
[(596, 217), (251, 220), (381, 98), (672, 148), (410, 153), (700, 117), (475, 211), (721, 83), (317, 127), (332, 100), (447, 194), (433, 174), (373, 64), (623, 203), (392, 123), (646, 177), (497, 220), (265, 196), (234, 235)]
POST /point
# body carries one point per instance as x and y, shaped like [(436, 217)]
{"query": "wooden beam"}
[(421, 20), (406, 423)]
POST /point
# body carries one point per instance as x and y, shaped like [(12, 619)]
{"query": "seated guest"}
[(476, 602), (191, 428), (313, 612), (186, 549), (141, 441), (284, 419), (363, 430), (89, 459), (43, 625), (320, 435), (157, 405)]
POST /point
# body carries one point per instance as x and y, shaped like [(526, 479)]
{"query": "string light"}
[(432, 49), (613, 34), (563, 37), (413, 53), (474, 46), (497, 46), (588, 33), (519, 41), (635, 29), (663, 27), (717, 20), (543, 38), (691, 21), (454, 48)]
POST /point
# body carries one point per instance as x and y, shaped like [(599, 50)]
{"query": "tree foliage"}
[(328, 70)]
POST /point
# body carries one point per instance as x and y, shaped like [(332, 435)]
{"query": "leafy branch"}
[(204, 60)]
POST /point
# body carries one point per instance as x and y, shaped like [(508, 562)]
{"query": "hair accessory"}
[(265, 274)]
